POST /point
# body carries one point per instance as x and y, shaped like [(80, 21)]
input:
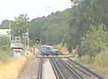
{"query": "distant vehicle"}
[(56, 51), (49, 50)]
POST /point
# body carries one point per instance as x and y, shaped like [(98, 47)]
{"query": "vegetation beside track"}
[(12, 68), (5, 52)]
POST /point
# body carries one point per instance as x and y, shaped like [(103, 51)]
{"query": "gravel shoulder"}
[(30, 70)]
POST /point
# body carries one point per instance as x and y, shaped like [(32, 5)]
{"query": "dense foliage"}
[(85, 25), (4, 47), (90, 33), (19, 26), (51, 29)]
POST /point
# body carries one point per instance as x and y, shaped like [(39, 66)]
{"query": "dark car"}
[(48, 50), (45, 49)]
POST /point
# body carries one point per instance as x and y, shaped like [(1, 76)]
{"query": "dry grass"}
[(101, 70), (11, 69)]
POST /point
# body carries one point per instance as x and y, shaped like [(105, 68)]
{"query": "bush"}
[(4, 48), (102, 59), (4, 55), (4, 42), (94, 41), (86, 59)]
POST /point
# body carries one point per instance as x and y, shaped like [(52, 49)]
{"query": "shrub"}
[(102, 59), (4, 48), (4, 55), (86, 59)]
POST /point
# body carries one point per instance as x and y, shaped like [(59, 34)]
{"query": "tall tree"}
[(20, 25), (83, 15), (94, 41)]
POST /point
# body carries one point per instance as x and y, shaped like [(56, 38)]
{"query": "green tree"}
[(95, 41), (87, 13), (20, 25), (51, 29), (4, 48), (5, 24), (38, 29), (4, 42)]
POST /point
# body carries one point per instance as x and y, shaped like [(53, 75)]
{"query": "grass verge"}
[(11, 69)]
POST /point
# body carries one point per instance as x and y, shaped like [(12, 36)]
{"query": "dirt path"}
[(11, 69), (30, 70)]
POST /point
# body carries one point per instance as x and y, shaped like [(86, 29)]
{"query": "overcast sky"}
[(33, 8)]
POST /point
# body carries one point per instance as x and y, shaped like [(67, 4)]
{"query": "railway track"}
[(57, 71), (69, 69), (84, 70), (39, 75)]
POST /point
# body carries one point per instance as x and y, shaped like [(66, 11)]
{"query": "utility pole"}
[(26, 40)]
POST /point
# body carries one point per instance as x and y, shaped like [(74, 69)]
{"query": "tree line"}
[(84, 25)]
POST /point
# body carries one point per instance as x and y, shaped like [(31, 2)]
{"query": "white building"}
[(17, 46), (5, 32)]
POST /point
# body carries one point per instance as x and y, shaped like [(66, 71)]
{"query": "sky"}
[(9, 9)]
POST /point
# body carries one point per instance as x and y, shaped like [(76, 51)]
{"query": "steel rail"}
[(75, 75), (59, 72), (39, 76), (54, 69), (66, 73), (79, 69), (74, 71), (86, 69)]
